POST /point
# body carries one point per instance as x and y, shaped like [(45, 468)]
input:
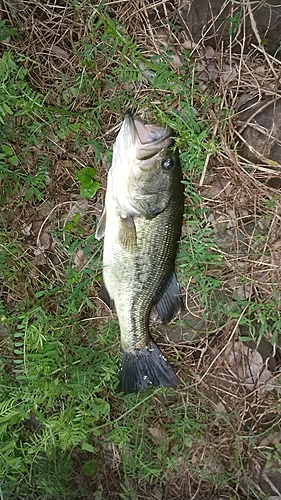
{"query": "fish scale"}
[(141, 228), (147, 278)]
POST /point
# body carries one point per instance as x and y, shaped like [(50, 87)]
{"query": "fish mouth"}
[(149, 139), (145, 134)]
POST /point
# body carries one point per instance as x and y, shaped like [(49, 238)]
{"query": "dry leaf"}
[(249, 366), (79, 260), (158, 433), (57, 51)]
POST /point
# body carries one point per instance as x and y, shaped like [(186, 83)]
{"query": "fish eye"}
[(167, 163)]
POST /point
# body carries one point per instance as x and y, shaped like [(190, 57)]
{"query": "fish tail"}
[(146, 367)]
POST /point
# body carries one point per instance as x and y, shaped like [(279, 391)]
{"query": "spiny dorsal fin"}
[(127, 236)]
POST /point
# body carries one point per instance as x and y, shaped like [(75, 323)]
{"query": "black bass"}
[(141, 226)]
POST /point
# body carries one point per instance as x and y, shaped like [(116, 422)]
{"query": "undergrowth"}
[(62, 427)]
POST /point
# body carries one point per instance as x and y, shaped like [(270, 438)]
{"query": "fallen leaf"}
[(79, 260), (249, 366)]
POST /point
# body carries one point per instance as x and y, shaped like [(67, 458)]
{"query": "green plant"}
[(234, 22), (88, 187)]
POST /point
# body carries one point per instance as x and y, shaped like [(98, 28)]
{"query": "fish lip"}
[(129, 126), (147, 135)]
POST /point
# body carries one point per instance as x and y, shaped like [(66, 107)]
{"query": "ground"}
[(69, 72)]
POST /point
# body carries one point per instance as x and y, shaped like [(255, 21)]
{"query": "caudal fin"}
[(144, 368)]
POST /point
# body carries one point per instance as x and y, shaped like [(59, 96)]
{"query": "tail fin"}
[(142, 368)]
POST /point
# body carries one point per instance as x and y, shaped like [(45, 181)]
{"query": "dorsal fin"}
[(170, 303)]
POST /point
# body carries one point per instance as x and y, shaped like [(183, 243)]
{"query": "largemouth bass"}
[(141, 226)]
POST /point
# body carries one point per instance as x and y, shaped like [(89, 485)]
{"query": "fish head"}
[(145, 168)]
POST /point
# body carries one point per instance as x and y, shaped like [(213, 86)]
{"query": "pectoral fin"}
[(101, 226), (171, 302), (127, 236)]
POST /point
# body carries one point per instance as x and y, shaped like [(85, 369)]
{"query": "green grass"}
[(61, 423)]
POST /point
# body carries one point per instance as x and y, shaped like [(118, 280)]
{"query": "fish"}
[(141, 226)]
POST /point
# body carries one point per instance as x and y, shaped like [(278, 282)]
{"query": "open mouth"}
[(148, 134), (148, 140), (145, 134)]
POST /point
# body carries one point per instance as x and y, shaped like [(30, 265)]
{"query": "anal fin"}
[(170, 303), (146, 367), (104, 295)]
